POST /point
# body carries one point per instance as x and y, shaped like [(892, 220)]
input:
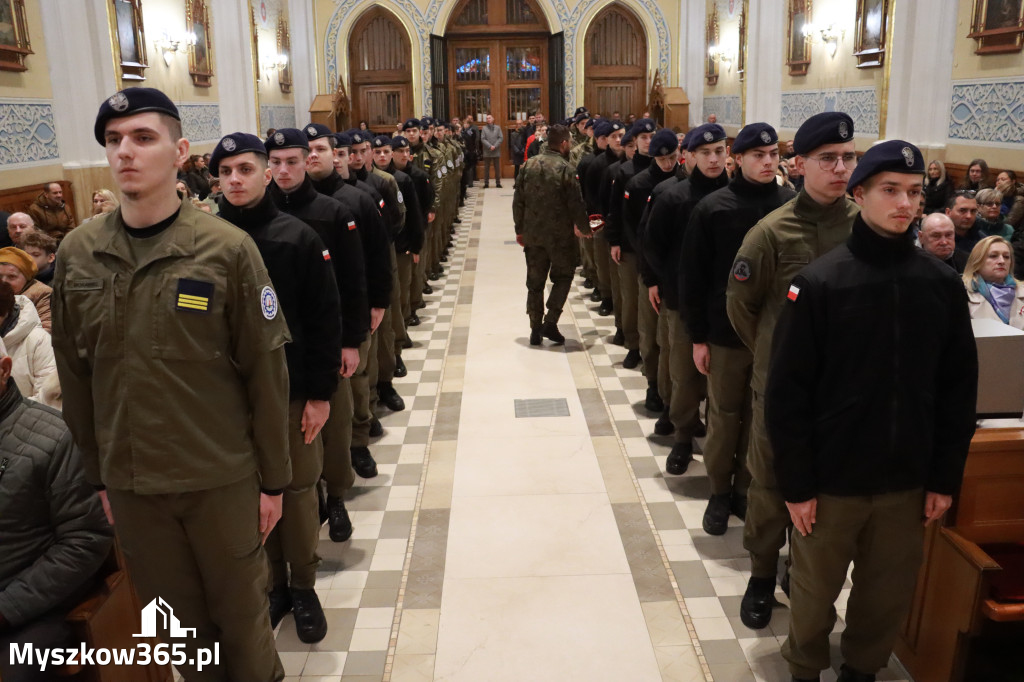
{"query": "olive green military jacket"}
[(428, 162), (547, 203), (172, 366), (773, 252)]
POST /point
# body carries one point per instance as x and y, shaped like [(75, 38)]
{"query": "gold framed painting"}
[(998, 26), (131, 39), (870, 34), (711, 43), (14, 41), (200, 57), (798, 42), (741, 58), (284, 49)]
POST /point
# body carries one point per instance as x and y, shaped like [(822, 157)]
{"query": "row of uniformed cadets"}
[(697, 269), (217, 369)]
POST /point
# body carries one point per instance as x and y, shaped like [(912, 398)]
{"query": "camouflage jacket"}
[(547, 203)]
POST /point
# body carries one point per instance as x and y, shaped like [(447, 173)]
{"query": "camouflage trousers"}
[(541, 263)]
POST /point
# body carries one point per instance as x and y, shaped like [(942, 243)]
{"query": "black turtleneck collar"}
[(707, 185), (641, 162), (746, 188), (871, 247), (612, 155), (249, 218), (360, 173), (328, 184), (658, 175), (302, 195)]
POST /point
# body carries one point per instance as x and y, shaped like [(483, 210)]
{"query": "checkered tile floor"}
[(359, 580), (711, 571)]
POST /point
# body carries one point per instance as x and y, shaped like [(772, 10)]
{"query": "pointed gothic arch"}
[(615, 62), (380, 70)]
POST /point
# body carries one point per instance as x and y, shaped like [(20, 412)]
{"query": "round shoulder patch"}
[(268, 302), (741, 270)]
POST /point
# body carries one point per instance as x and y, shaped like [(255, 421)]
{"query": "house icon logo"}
[(160, 610)]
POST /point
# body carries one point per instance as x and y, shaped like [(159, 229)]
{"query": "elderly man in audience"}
[(938, 237), (19, 270), (18, 224), (50, 213), (53, 534), (992, 291)]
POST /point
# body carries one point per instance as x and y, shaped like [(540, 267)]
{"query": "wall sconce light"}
[(829, 36), (722, 55), (271, 62), (170, 44)]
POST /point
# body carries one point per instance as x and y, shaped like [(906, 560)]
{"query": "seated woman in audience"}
[(183, 189), (937, 190), (1013, 200), (196, 176), (989, 220), (977, 176), (103, 201), (19, 271), (992, 291), (28, 344)]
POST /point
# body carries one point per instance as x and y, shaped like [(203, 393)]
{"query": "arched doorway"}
[(615, 70), (380, 70), (498, 63)]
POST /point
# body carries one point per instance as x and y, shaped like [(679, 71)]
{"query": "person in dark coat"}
[(299, 266), (870, 427)]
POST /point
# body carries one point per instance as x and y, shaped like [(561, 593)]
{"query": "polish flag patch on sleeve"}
[(351, 225), (327, 254), (794, 291), (626, 194), (382, 203)]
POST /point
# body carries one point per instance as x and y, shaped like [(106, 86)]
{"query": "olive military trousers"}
[(767, 521), (201, 552), (418, 277), (406, 268), (542, 263), (647, 329), (391, 330), (603, 265), (628, 300), (664, 356), (883, 535), (337, 439), (364, 395), (293, 542), (729, 414), (689, 386), (587, 257)]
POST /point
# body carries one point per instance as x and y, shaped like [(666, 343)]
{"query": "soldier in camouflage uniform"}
[(549, 214)]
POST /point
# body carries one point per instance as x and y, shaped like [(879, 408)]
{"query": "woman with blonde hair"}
[(103, 201), (992, 291), (937, 189)]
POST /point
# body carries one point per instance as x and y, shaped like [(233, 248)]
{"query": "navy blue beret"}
[(628, 137), (233, 145), (663, 143), (317, 130), (685, 143), (426, 122), (591, 122), (129, 102), (892, 156), (754, 135), (605, 127), (706, 133), (581, 110), (830, 127), (381, 141), (359, 136), (411, 123), (287, 138), (343, 139), (643, 125), (399, 142)]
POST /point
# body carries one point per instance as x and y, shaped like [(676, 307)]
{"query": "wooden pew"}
[(18, 199), (958, 617)]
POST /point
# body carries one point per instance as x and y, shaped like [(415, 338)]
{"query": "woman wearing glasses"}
[(990, 220), (992, 291)]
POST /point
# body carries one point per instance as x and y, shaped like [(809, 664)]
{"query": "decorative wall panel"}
[(200, 122), (727, 108), (27, 133), (276, 117), (990, 111), (860, 103)]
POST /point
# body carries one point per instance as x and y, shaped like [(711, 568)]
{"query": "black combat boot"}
[(606, 308), (679, 459), (757, 603), (664, 426), (848, 674), (310, 622), (388, 396), (550, 332), (716, 516), (534, 336), (631, 360), (620, 337), (595, 296), (339, 524), (400, 369), (653, 402), (363, 462), (280, 604), (413, 321), (738, 506), (376, 429)]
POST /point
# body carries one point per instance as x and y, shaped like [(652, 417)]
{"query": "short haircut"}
[(936, 219), (988, 194), (51, 184), (173, 126), (969, 195), (557, 134), (39, 240)]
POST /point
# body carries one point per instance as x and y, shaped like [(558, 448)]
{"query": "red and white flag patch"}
[(794, 291), (625, 194), (351, 224), (382, 203), (327, 254)]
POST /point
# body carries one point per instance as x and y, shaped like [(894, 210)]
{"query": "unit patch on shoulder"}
[(794, 291), (351, 225), (327, 254), (268, 302), (741, 270)]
